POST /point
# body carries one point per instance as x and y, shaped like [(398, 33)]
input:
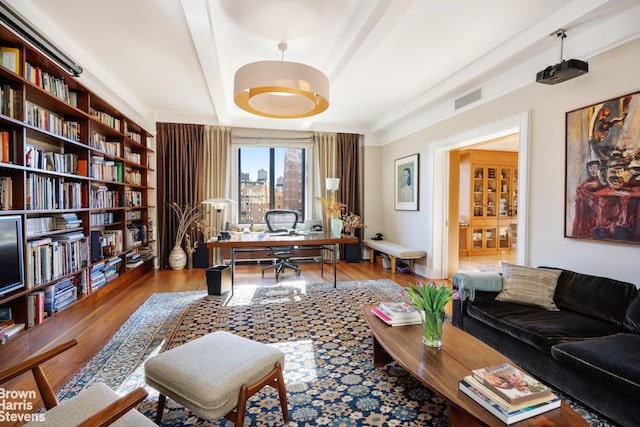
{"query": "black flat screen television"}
[(11, 257)]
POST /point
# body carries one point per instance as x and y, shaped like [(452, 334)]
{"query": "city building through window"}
[(270, 178)]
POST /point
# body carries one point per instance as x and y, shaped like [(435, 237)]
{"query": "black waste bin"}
[(218, 279), (352, 252)]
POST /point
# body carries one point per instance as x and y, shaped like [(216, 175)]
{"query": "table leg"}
[(321, 261), (461, 418), (335, 261), (233, 269), (380, 355)]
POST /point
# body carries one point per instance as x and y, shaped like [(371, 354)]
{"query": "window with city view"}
[(270, 178)]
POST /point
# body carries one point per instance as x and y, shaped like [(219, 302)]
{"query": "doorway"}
[(445, 239), (487, 203)]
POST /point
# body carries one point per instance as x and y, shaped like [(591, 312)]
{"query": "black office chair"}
[(278, 221)]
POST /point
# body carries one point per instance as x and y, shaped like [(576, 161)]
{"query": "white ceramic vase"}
[(177, 258)]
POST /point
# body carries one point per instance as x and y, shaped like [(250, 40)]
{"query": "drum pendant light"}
[(281, 89)]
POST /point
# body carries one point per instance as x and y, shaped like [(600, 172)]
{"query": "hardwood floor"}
[(486, 262), (95, 329)]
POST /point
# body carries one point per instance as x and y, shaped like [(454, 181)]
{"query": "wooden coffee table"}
[(441, 369)]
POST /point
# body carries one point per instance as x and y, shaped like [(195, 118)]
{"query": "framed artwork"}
[(602, 184), (406, 175)]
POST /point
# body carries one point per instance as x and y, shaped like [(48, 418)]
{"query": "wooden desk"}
[(441, 369), (260, 241)]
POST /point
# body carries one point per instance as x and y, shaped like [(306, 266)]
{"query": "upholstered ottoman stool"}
[(215, 374)]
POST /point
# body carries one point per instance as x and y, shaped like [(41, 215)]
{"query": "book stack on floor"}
[(509, 393), (396, 313)]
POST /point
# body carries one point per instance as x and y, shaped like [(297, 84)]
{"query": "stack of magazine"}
[(509, 393), (397, 313)]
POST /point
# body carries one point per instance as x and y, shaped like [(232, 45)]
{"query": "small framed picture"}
[(406, 174)]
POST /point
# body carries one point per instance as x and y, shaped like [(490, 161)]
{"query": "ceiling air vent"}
[(468, 98)]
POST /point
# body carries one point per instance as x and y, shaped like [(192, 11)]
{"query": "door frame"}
[(445, 222)]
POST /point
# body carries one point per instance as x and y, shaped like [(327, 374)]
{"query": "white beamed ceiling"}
[(395, 66)]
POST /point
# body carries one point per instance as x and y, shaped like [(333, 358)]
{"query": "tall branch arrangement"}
[(187, 216)]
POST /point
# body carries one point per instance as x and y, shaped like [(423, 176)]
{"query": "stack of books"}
[(97, 276), (134, 260), (8, 327), (509, 393), (395, 313), (59, 296), (67, 221)]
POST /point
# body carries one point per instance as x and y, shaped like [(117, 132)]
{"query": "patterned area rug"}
[(329, 373), (119, 364)]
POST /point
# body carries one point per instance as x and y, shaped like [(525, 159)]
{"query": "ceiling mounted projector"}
[(564, 70)]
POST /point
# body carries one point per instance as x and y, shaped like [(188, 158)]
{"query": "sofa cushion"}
[(599, 297), (613, 360), (538, 327), (526, 285), (632, 318)]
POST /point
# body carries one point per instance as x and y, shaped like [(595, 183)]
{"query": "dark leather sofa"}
[(589, 349)]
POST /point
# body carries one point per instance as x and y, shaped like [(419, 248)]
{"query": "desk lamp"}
[(332, 185), (218, 204)]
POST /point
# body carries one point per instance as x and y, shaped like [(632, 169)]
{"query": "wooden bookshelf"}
[(488, 202), (72, 158)]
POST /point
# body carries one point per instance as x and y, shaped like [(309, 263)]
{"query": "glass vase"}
[(336, 227), (432, 328)]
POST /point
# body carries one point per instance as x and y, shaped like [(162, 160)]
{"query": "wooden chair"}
[(95, 406)]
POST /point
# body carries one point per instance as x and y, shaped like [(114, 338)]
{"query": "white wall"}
[(373, 217), (612, 74)]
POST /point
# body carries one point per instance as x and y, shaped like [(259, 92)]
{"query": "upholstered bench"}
[(395, 251), (213, 376)]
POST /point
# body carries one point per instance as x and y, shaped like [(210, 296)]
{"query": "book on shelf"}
[(7, 147), (11, 331), (134, 260), (4, 325), (66, 221), (10, 58), (6, 193), (510, 383), (35, 308), (506, 416)]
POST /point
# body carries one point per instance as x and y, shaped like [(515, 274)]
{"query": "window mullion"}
[(272, 178)]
